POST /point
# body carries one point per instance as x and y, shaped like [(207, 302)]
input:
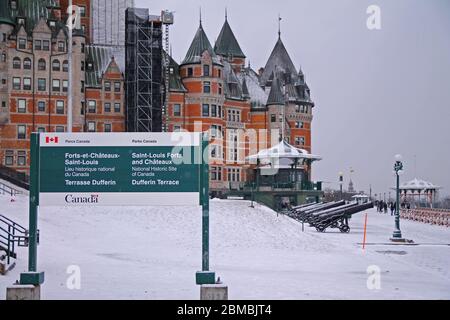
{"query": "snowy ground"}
[(153, 253)]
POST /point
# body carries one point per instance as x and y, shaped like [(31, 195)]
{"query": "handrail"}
[(16, 226), (9, 190)]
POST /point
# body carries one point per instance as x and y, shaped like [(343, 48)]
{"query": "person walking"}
[(392, 208), (385, 205)]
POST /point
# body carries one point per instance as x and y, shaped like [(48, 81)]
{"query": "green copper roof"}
[(32, 10), (279, 59), (226, 44), (276, 96), (199, 45), (5, 14), (99, 57)]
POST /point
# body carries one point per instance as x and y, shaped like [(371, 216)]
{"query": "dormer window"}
[(61, 46), (13, 4), (90, 66), (21, 21), (206, 70), (22, 43), (52, 23)]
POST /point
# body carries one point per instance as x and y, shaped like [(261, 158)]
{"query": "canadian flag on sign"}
[(51, 140)]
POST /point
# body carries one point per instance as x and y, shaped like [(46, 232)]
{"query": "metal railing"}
[(12, 234), (5, 189)]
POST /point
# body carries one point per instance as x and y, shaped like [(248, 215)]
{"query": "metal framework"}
[(144, 80)]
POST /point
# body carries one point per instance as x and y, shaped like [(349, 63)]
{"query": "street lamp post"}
[(341, 183), (398, 168)]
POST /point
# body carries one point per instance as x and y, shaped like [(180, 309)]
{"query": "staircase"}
[(12, 236), (17, 178)]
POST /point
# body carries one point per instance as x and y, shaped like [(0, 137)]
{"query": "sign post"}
[(118, 169)]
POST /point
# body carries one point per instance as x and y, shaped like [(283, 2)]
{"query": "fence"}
[(440, 217)]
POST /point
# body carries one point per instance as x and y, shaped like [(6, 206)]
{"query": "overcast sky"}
[(377, 93)]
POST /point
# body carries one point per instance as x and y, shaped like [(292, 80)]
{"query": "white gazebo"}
[(418, 190)]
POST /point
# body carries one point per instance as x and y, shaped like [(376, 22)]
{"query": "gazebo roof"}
[(284, 150), (418, 184)]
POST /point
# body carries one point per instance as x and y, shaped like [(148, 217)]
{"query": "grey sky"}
[(377, 93)]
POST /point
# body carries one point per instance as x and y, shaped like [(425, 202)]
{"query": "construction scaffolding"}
[(143, 71)]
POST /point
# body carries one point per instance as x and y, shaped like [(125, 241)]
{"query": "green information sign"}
[(118, 169)]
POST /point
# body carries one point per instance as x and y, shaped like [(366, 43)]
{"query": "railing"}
[(439, 217), (5, 189), (289, 186), (11, 234)]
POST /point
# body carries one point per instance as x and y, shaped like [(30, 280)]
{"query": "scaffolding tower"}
[(143, 71)]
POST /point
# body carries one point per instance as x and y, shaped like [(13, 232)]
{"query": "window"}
[(206, 87), (82, 47), (65, 85), (27, 64), (41, 129), (216, 131), (300, 141), (26, 83), (206, 70), (16, 63), (13, 4), (59, 107), (3, 57), (82, 11), (56, 65), (205, 110), (66, 66), (107, 86), (21, 132), (91, 126), (21, 158), (56, 85), (16, 83), (108, 127), (177, 110), (116, 107), (107, 107), (216, 173), (176, 128), (213, 111), (59, 129), (220, 88), (82, 65), (61, 46), (37, 45), (21, 106), (273, 118), (299, 125), (41, 106), (234, 175), (219, 73), (82, 86), (22, 43), (42, 65), (46, 45), (190, 72), (9, 157), (92, 106), (4, 37), (3, 104), (219, 111), (116, 86), (216, 151), (52, 23), (42, 84), (82, 108), (234, 115)]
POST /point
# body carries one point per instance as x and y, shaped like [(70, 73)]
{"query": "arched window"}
[(27, 63), (42, 65), (56, 65), (66, 66), (16, 63)]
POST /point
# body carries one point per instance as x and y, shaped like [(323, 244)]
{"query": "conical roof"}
[(279, 59), (5, 14), (199, 45), (226, 44), (276, 96)]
